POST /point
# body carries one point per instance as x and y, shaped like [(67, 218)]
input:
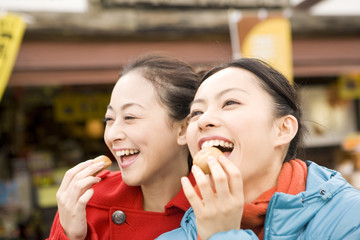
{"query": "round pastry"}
[(201, 157), (103, 158)]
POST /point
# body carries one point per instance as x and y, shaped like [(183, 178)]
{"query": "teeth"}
[(126, 152), (205, 145), (221, 143)]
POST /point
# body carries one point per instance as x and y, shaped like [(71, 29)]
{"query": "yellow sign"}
[(46, 196), (78, 107), (349, 86), (12, 29), (268, 39)]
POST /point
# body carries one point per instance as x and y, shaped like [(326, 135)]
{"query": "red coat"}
[(112, 194)]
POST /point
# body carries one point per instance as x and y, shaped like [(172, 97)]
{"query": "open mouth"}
[(223, 146), (127, 154)]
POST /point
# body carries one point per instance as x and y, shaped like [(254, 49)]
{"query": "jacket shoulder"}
[(187, 229), (338, 217), (111, 190)]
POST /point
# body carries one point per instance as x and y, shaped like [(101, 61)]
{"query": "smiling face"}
[(232, 110), (140, 134)]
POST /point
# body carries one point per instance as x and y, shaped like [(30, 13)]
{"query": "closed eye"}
[(230, 102), (107, 119), (195, 113), (129, 117)]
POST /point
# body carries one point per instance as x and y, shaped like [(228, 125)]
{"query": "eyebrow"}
[(125, 106), (217, 96)]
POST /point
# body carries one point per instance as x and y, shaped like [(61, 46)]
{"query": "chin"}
[(130, 181)]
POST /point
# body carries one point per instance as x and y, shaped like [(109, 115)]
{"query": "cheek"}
[(140, 138), (248, 126), (106, 134), (191, 139)]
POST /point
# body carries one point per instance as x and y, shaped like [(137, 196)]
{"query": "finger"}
[(234, 176), (204, 185), (78, 188), (69, 175), (219, 178), (85, 198), (79, 183), (90, 170), (190, 193)]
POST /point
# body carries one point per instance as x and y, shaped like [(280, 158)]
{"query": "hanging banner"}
[(12, 29), (263, 36)]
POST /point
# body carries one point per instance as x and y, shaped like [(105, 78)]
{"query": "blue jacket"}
[(329, 208)]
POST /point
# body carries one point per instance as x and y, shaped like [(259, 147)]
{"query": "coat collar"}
[(112, 192), (322, 184)]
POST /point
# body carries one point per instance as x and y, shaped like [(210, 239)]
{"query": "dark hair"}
[(175, 82), (279, 88)]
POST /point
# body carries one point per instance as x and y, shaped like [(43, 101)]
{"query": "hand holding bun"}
[(103, 158), (201, 157)]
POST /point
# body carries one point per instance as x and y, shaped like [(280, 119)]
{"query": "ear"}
[(181, 138), (286, 129)]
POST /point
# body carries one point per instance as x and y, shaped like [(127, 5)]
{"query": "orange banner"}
[(267, 38)]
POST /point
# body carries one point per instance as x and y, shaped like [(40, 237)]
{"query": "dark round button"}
[(118, 217)]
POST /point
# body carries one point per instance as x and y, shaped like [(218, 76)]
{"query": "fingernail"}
[(211, 159), (102, 163), (183, 179), (89, 162), (195, 168)]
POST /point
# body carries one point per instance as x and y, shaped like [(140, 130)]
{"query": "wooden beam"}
[(39, 56), (57, 63), (306, 4), (197, 3)]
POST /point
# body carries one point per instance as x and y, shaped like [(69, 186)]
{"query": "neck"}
[(158, 193), (255, 186), (155, 198)]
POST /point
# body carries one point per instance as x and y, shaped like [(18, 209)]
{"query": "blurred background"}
[(59, 60)]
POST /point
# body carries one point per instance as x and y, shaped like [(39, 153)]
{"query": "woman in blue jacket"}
[(258, 189)]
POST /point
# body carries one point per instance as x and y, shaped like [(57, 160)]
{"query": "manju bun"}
[(103, 158), (201, 157)]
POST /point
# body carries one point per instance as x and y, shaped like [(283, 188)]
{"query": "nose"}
[(114, 132), (208, 120)]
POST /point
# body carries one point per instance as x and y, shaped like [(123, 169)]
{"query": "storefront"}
[(52, 109)]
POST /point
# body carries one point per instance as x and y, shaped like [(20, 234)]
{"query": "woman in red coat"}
[(145, 131)]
